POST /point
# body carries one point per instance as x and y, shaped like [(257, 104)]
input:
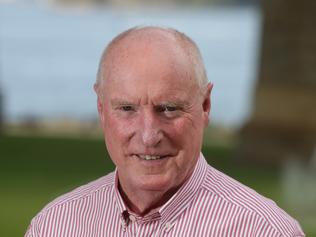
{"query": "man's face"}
[(153, 115)]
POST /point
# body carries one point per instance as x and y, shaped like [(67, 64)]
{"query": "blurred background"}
[(261, 57)]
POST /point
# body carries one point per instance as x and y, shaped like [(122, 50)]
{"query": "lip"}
[(141, 157), (149, 156)]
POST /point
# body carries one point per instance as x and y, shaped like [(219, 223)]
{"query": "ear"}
[(99, 102), (207, 103), (99, 105)]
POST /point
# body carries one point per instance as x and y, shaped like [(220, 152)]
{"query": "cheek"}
[(117, 131), (187, 132), (113, 127), (180, 131), (115, 140)]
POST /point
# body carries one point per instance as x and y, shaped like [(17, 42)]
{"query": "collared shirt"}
[(209, 204)]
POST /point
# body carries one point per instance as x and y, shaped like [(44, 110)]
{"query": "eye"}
[(166, 108), (170, 108), (126, 108)]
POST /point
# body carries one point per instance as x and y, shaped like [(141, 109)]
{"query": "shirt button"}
[(167, 226), (132, 218)]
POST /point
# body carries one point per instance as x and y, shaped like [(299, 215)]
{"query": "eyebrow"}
[(116, 102), (175, 102)]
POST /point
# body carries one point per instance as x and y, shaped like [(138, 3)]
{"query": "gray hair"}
[(185, 42)]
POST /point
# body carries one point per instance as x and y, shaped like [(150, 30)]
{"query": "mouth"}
[(150, 157)]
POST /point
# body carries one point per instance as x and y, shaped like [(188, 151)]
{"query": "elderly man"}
[(153, 104)]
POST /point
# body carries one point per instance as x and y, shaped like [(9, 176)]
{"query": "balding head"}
[(164, 40)]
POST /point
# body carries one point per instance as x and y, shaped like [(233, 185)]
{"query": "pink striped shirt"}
[(209, 204)]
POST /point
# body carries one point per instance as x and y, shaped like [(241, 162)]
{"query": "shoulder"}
[(74, 208), (83, 191), (79, 194), (230, 192)]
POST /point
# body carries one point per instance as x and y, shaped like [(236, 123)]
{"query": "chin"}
[(158, 183)]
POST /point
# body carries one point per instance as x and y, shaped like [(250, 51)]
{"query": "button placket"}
[(123, 225), (133, 225)]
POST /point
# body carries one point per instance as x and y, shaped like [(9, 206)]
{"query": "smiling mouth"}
[(150, 157)]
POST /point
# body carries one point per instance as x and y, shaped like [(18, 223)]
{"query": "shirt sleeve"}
[(264, 228)]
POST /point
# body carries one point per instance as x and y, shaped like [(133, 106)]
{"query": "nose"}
[(151, 133)]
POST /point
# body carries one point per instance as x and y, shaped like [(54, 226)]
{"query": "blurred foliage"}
[(34, 170)]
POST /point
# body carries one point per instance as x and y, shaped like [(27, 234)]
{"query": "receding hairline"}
[(188, 46)]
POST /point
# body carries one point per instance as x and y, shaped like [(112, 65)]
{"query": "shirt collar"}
[(178, 202), (185, 195)]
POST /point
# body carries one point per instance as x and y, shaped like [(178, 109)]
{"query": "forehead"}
[(154, 59), (151, 86)]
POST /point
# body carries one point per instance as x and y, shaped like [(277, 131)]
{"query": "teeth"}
[(149, 157)]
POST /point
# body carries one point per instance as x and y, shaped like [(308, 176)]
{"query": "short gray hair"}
[(185, 42)]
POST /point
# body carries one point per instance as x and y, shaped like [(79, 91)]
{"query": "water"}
[(49, 56)]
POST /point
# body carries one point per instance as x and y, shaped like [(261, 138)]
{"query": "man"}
[(153, 104)]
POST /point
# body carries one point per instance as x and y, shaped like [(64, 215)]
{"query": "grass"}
[(34, 170)]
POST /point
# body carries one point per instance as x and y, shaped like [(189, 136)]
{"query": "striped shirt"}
[(209, 204)]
